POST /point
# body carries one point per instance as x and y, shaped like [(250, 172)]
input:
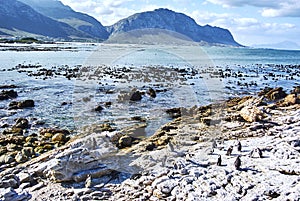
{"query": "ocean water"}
[(258, 68)]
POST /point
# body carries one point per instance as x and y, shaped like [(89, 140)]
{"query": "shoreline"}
[(180, 160)]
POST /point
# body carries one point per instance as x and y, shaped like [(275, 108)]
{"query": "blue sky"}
[(250, 22)]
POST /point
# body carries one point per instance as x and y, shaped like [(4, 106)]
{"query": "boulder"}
[(296, 90), (174, 112), (59, 137), (151, 92), (7, 194), (292, 99), (83, 155), (20, 158), (99, 108), (4, 95), (21, 123), (125, 141), (10, 181), (252, 114), (275, 94), (21, 104), (136, 96)]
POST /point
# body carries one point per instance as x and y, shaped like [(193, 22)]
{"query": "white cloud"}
[(245, 28), (270, 8), (240, 3), (287, 9)]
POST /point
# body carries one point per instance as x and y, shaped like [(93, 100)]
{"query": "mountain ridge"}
[(15, 15), (163, 18), (51, 18), (63, 13)]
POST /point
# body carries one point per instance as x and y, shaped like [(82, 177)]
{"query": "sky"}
[(250, 21)]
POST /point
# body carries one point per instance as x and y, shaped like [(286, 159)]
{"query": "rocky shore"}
[(245, 148)]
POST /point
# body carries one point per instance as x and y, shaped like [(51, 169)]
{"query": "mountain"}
[(19, 19), (176, 22), (287, 45), (62, 13)]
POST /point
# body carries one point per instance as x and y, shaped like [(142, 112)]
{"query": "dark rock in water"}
[(296, 90), (136, 96), (21, 123), (138, 118), (64, 103), (54, 131), (125, 141), (264, 91), (99, 108), (276, 94), (8, 86), (4, 95), (21, 105), (108, 104), (152, 93), (174, 112)]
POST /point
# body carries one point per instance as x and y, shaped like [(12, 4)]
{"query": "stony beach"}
[(141, 134), (245, 148)]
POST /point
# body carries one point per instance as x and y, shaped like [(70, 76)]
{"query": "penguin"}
[(219, 160), (229, 151), (239, 146), (88, 181), (259, 152), (214, 144), (238, 162)]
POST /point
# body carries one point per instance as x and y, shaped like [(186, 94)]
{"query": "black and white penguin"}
[(238, 162), (239, 146), (229, 151), (219, 162)]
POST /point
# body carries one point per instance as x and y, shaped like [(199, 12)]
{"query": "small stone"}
[(152, 93), (99, 108), (48, 135), (10, 181), (252, 114), (20, 158), (20, 105), (21, 123), (59, 137), (136, 96), (276, 94), (125, 141), (4, 95)]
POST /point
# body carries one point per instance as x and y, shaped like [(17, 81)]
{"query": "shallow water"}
[(199, 89)]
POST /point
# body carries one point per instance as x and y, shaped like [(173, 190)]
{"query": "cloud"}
[(240, 3), (287, 9), (107, 12), (270, 8), (245, 28)]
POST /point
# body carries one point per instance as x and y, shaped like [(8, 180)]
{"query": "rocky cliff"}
[(18, 18), (62, 13), (177, 22)]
